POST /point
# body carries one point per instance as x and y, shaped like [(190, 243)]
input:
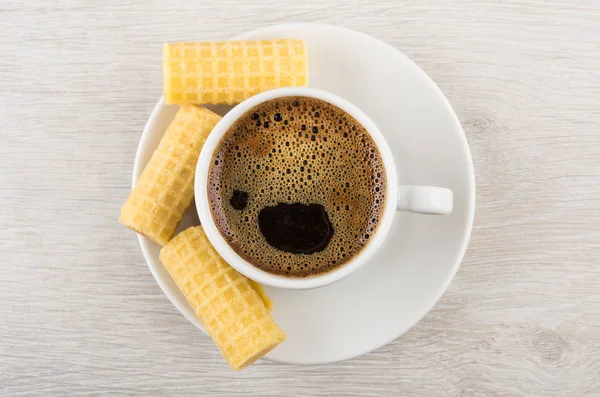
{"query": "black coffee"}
[(297, 187)]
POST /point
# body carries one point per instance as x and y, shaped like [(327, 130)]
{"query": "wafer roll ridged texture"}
[(165, 189), (230, 309), (228, 72), (263, 295)]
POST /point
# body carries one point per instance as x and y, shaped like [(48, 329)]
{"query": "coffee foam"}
[(297, 150)]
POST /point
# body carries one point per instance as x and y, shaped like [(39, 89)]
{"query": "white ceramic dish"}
[(380, 302), (425, 199)]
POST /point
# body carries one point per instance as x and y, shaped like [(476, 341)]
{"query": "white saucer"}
[(382, 300)]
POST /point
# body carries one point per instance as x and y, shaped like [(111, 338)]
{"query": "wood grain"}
[(80, 314)]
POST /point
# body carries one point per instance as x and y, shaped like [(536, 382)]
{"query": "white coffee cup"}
[(422, 199)]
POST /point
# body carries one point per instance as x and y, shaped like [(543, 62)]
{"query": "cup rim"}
[(233, 258)]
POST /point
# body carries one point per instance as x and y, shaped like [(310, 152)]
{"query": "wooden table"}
[(80, 314)]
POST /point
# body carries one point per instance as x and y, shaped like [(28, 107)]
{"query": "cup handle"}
[(425, 199)]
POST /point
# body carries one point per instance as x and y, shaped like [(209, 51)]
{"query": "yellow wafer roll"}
[(263, 295), (165, 189), (230, 309), (231, 71)]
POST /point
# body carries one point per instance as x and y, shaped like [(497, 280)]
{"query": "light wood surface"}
[(81, 315)]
